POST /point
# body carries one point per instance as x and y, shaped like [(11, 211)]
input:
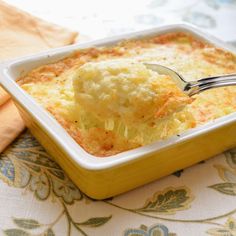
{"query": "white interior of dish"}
[(10, 71)]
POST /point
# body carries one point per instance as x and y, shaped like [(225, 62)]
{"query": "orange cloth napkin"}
[(22, 34)]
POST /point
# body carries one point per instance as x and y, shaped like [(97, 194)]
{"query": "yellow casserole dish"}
[(129, 166)]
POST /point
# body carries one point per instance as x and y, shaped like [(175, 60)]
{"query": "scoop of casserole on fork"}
[(126, 91)]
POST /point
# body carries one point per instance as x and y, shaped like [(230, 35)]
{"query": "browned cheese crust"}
[(51, 86)]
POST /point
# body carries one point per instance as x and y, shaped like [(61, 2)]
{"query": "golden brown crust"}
[(204, 107)]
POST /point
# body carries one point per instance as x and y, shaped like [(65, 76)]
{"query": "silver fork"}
[(194, 87)]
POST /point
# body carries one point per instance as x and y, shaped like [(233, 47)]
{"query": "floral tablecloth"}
[(36, 196)]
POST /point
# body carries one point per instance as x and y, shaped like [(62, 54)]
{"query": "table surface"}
[(37, 198)]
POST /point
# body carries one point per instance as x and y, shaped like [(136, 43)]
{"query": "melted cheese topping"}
[(52, 86)]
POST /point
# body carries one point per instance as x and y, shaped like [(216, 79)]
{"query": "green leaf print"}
[(168, 201), (231, 158), (226, 188), (49, 233), (16, 232), (219, 232), (95, 222), (228, 229), (26, 223)]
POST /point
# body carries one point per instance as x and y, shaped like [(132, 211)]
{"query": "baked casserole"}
[(109, 102)]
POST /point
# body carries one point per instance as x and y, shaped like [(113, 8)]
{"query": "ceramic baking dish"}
[(101, 178)]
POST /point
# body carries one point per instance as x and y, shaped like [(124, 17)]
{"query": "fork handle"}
[(198, 86)]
